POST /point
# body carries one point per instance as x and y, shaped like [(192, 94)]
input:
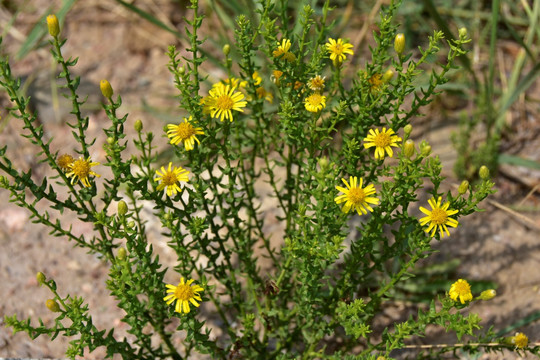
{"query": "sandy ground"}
[(498, 245)]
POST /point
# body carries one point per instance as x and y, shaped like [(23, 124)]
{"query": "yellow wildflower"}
[(462, 290), (438, 217), (185, 132), (223, 99), (383, 141), (171, 178), (183, 294), (355, 197), (80, 170), (338, 49)]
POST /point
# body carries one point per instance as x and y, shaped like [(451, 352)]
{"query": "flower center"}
[(438, 216), (185, 130), (81, 168), (183, 292), (170, 178), (463, 288), (382, 140), (224, 102), (338, 49), (314, 99), (356, 195)]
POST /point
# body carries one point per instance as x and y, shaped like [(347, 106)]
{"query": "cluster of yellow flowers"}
[(359, 198)]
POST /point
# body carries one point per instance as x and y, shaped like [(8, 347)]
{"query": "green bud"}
[(409, 148), (226, 49), (4, 181), (182, 70), (52, 305), (122, 253), (131, 224), (425, 148), (40, 278), (462, 33), (138, 125), (407, 130), (323, 162), (399, 43), (463, 187), (110, 140), (122, 208), (483, 172), (106, 88), (388, 75), (487, 294)]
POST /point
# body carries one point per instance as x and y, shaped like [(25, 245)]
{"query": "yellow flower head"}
[(283, 51), (316, 83), (315, 102), (184, 294), (383, 141), (233, 82), (375, 83), (520, 340), (276, 75), (171, 178), (80, 170), (262, 93), (355, 197), (64, 161), (438, 217), (185, 132), (223, 99), (462, 290), (338, 49), (257, 78)]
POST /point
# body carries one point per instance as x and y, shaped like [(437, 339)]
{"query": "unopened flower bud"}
[(399, 43), (138, 125), (131, 224), (323, 162), (425, 148), (483, 172), (182, 70), (388, 75), (462, 33), (106, 88), (122, 208), (110, 140), (3, 181), (226, 49), (487, 294), (40, 277), (409, 148), (122, 253), (52, 305), (52, 25), (407, 130), (463, 187)]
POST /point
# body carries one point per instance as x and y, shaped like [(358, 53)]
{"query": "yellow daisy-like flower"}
[(283, 51), (184, 294), (520, 340), (257, 78), (316, 83), (171, 178), (438, 217), (355, 197), (233, 82), (276, 75), (80, 169), (338, 49), (383, 141), (64, 161), (262, 93), (375, 83), (462, 290), (223, 99), (315, 102), (185, 132)]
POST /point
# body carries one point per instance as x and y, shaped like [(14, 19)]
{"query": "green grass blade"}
[(518, 161)]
